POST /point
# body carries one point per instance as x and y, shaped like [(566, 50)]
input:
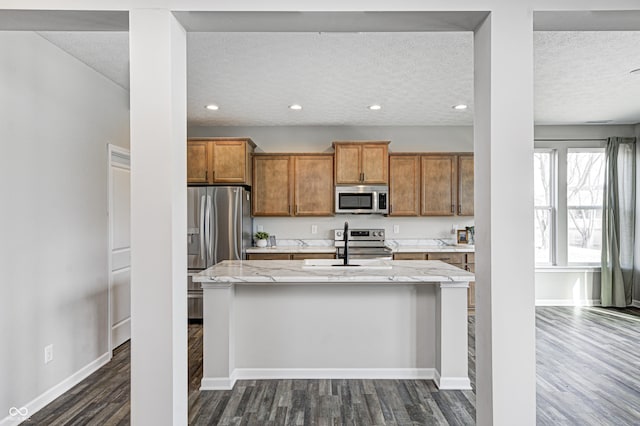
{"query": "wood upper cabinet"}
[(438, 185), (197, 162), (361, 163), (272, 179), (465, 185), (313, 185), (219, 160), (404, 185), (293, 185)]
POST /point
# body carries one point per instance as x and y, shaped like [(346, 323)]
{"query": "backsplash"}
[(300, 228)]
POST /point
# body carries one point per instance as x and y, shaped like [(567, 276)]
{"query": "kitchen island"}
[(303, 320)]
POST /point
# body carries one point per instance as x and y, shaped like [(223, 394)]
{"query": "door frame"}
[(119, 158)]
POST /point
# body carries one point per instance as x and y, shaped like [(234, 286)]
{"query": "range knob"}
[(339, 233)]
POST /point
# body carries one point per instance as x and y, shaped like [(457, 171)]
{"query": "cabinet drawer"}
[(302, 256), (471, 258), (268, 256), (409, 256), (453, 258)]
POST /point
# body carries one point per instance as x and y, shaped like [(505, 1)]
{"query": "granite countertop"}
[(294, 271), (396, 246)]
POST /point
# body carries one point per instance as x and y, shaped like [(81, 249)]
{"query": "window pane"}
[(585, 182), (585, 178), (542, 178), (585, 235), (543, 235)]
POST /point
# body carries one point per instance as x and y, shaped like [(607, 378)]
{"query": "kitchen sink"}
[(336, 264)]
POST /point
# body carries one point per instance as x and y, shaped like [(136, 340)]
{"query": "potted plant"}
[(261, 238)]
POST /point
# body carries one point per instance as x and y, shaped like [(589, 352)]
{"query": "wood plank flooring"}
[(588, 368)]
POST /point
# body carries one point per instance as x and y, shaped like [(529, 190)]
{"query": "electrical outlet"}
[(260, 228), (314, 229), (396, 229), (48, 354)]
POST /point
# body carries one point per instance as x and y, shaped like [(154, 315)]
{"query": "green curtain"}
[(618, 222)]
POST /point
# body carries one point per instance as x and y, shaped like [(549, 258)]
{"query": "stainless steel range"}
[(363, 244)]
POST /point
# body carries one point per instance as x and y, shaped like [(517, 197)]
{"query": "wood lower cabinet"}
[(289, 256), (293, 185), (465, 185), (359, 163), (404, 185), (303, 256), (219, 160), (464, 261), (438, 184), (268, 256)]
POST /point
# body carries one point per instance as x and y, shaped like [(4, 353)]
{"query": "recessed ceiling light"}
[(459, 107), (295, 107), (635, 72), (374, 107), (212, 107)]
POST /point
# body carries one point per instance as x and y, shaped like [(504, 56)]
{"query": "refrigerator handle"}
[(237, 223), (202, 229), (207, 225), (213, 247)]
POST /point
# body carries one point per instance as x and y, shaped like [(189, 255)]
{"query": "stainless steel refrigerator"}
[(219, 228)]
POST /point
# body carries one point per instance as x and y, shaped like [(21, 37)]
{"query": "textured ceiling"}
[(416, 77)]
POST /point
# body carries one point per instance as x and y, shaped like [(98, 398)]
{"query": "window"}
[(585, 186), (568, 191), (544, 201)]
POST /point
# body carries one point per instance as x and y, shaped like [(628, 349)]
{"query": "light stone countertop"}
[(397, 246), (293, 271), (458, 248)]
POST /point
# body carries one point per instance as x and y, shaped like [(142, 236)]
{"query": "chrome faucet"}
[(346, 243)]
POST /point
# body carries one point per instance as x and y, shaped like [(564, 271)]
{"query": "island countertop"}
[(295, 271)]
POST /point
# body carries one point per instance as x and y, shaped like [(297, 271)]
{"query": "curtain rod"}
[(569, 140)]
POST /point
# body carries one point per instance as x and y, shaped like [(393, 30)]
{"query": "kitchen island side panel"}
[(345, 326)]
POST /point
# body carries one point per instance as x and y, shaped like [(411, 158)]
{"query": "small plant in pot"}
[(261, 238)]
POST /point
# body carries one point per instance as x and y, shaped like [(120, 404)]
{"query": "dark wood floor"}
[(588, 368)]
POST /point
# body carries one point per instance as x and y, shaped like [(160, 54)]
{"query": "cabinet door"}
[(302, 256), (471, 291), (375, 164), (409, 256), (404, 185), (313, 185), (228, 162), (456, 259), (465, 185), (438, 185), (272, 180), (268, 256), (197, 162), (347, 161)]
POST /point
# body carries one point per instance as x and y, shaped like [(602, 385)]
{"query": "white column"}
[(503, 146), (158, 219), (452, 340), (218, 344)]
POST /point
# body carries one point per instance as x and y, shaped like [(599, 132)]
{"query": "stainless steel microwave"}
[(362, 199)]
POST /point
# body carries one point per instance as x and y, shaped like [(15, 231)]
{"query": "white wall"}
[(58, 116), (319, 138)]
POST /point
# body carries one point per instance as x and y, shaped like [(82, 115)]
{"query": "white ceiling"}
[(417, 77)]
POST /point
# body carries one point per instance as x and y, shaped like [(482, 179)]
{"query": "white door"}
[(119, 247)]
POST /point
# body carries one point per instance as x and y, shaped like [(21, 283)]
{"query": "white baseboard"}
[(227, 383), (120, 332), (50, 395), (451, 383), (635, 303), (568, 302)]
